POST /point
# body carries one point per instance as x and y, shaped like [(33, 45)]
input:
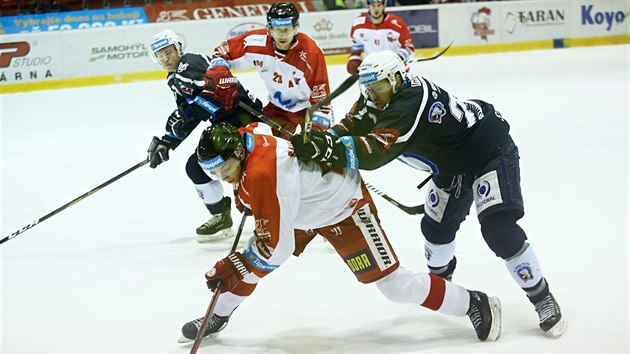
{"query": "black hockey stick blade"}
[(411, 210), (74, 201), (215, 296), (417, 60)]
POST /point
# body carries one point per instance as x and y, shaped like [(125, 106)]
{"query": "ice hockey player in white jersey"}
[(286, 194)]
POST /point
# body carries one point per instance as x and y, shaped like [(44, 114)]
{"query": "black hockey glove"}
[(322, 147), (158, 151)]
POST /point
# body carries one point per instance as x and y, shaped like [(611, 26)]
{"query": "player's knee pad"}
[(436, 233), (195, 172), (504, 237)]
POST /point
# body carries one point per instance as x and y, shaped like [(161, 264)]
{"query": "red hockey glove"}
[(224, 85), (229, 272), (353, 66)]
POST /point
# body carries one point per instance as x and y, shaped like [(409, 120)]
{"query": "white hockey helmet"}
[(163, 40), (379, 66)]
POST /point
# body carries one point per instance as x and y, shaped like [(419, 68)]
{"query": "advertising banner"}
[(216, 9), (31, 59), (331, 29), (423, 26), (602, 18), (56, 21)]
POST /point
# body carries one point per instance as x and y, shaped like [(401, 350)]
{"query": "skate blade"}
[(495, 330), (184, 340), (558, 329), (221, 235)]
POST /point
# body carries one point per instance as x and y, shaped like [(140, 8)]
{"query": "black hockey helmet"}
[(283, 14), (217, 144)]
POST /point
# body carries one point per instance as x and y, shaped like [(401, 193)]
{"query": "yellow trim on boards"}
[(339, 59)]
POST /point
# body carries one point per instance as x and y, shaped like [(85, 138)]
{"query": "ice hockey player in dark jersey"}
[(197, 100), (464, 144)]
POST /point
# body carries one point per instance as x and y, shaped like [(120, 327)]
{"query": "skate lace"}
[(475, 316), (215, 220), (214, 324), (546, 308)]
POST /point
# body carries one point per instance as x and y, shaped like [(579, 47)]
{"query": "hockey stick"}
[(265, 119), (411, 210), (74, 201), (419, 209), (417, 60), (308, 122), (217, 291)]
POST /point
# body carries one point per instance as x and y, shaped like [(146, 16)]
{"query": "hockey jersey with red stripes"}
[(284, 194), (294, 80)]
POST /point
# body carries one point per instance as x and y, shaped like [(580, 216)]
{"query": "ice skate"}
[(485, 315), (549, 316), (215, 325), (219, 227)]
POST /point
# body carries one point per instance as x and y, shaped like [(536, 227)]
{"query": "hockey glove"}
[(224, 85), (227, 272), (158, 151), (353, 65), (323, 146), (175, 124)]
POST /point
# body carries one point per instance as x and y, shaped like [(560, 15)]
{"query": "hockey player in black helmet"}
[(283, 22), (286, 195), (195, 102)]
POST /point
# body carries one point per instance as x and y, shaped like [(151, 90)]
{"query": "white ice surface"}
[(120, 271)]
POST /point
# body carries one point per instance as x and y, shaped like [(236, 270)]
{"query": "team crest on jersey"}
[(319, 91), (261, 229), (390, 37), (524, 271), (181, 67), (436, 112), (258, 63)]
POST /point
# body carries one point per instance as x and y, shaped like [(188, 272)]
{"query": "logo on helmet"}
[(367, 78)]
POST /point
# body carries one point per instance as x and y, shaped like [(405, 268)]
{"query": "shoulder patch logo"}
[(436, 112)]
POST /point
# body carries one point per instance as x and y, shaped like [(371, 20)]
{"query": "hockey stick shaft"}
[(345, 85), (217, 291), (74, 201), (411, 210), (417, 60), (265, 119)]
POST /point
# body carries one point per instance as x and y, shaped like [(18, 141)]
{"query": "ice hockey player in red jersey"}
[(195, 102), (286, 195), (376, 31), (465, 145), (290, 63)]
